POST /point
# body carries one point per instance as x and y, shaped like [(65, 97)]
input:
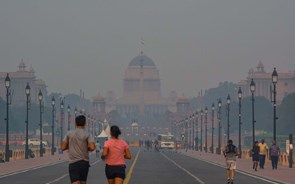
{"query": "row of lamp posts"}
[(9, 94), (192, 120)]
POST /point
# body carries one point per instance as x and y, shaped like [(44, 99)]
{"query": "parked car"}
[(35, 142)]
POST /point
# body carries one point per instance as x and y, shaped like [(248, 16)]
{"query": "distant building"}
[(19, 80), (263, 83), (141, 92)]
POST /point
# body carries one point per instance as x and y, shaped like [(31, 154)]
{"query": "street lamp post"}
[(252, 89), (212, 136), (274, 81), (183, 131), (61, 120), (93, 126), (228, 106), (52, 126), (219, 126), (75, 111), (201, 141), (69, 117), (206, 129), (193, 130), (8, 102), (28, 91), (40, 97), (240, 122), (95, 133), (88, 118), (197, 131)]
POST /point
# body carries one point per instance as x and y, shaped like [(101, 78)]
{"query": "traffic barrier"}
[(2, 156), (19, 154)]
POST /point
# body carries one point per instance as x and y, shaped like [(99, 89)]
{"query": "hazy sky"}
[(195, 44)]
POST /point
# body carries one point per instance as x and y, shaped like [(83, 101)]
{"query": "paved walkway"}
[(11, 167), (283, 174)]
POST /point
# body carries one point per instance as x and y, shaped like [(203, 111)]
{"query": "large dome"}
[(145, 60)]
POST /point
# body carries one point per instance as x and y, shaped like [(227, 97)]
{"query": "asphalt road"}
[(148, 168)]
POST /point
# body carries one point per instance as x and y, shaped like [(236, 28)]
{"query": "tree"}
[(286, 115), (262, 113), (213, 94)]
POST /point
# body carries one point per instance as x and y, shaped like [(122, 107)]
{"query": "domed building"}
[(263, 83), (19, 80), (141, 73), (141, 91)]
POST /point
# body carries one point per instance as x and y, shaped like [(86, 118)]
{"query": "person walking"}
[(263, 148), (230, 153), (78, 143), (115, 151), (274, 154), (255, 155)]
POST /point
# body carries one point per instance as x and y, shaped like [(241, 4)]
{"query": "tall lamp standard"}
[(52, 126), (69, 117), (61, 119), (274, 81), (219, 126), (76, 111), (88, 118), (252, 89), (212, 136), (8, 102), (40, 97), (193, 130), (201, 147), (92, 125), (240, 122), (228, 105), (28, 91), (206, 129), (197, 131)]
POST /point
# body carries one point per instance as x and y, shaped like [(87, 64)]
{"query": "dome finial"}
[(260, 67), (22, 66)]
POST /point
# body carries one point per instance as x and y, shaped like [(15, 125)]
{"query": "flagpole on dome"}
[(142, 45)]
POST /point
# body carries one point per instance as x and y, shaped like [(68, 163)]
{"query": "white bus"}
[(166, 141)]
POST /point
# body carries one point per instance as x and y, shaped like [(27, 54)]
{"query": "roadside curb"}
[(238, 170)]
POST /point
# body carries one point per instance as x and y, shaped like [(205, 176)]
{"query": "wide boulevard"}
[(146, 167)]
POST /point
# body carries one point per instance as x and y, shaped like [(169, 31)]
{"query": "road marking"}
[(273, 181), (57, 179), (29, 169), (189, 173), (65, 175), (94, 163), (127, 179)]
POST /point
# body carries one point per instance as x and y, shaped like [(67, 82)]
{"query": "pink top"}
[(116, 152)]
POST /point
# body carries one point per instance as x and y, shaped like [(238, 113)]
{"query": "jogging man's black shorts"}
[(79, 171), (116, 171)]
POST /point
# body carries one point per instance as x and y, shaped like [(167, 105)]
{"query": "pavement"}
[(11, 167), (283, 174)]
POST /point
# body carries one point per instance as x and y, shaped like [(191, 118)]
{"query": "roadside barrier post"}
[(291, 150)]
